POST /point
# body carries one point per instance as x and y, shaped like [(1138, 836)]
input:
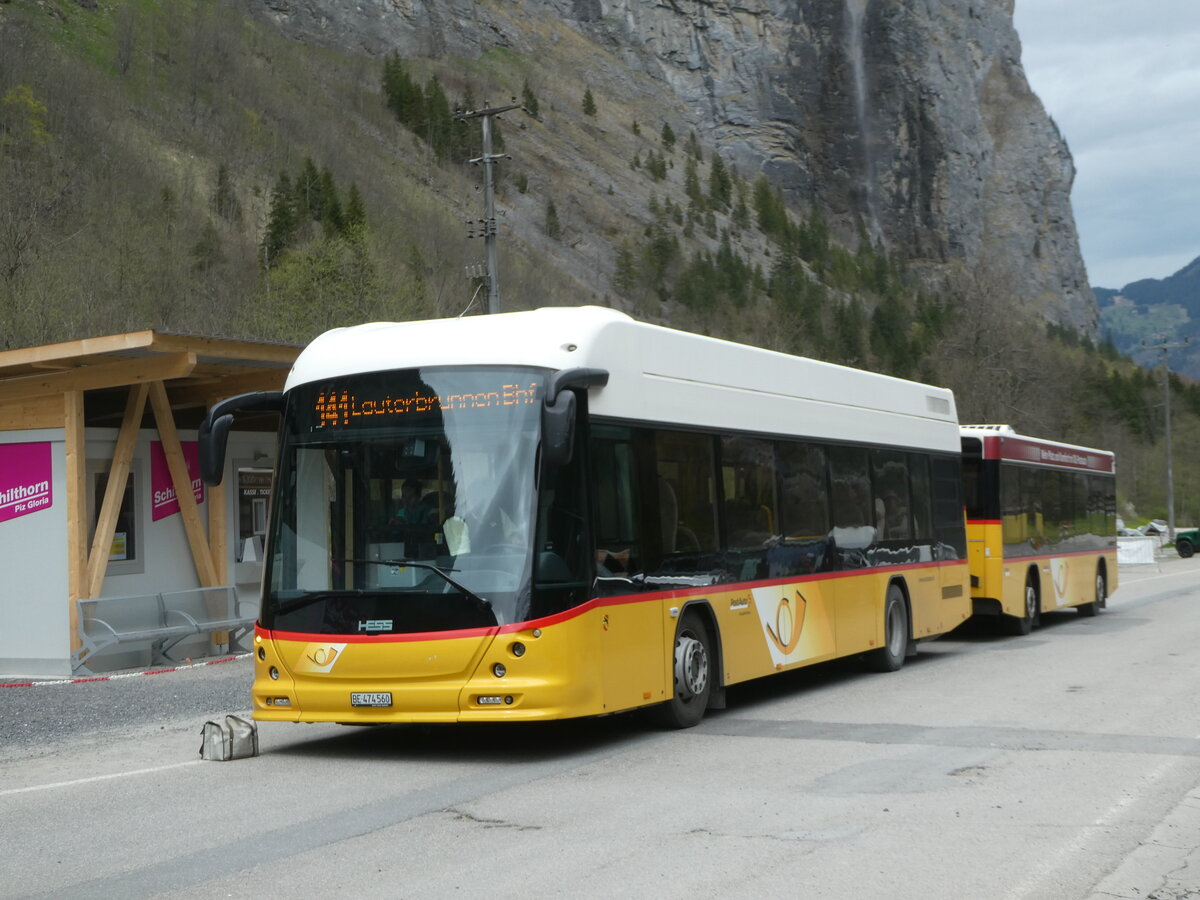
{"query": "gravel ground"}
[(33, 720)]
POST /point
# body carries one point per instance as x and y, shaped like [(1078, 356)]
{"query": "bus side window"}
[(685, 463), (619, 552), (854, 530), (748, 508), (893, 506), (918, 475), (946, 476), (803, 543)]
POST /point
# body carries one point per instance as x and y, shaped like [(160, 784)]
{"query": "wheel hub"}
[(691, 667)]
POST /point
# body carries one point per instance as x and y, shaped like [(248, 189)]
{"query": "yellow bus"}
[(566, 512), (1041, 525)]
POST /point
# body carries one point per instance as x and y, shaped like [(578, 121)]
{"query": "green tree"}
[(438, 119), (656, 165), (405, 98), (281, 221), (589, 102), (308, 193), (331, 218), (668, 137), (552, 228), (625, 276), (355, 215), (691, 185), (529, 99), (720, 184), (849, 325)]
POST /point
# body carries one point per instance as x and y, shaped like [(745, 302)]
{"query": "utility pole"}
[(487, 225), (1164, 348)]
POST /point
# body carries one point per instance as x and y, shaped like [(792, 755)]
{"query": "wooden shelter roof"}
[(197, 371)]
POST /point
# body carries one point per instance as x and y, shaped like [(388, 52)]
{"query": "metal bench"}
[(163, 619)]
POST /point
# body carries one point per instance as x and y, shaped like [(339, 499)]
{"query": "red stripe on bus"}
[(595, 603)]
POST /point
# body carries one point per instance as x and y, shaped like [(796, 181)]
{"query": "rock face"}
[(910, 122)]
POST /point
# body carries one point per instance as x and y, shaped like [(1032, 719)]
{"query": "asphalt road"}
[(1065, 764)]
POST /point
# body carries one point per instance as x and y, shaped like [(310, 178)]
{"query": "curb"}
[(93, 678)]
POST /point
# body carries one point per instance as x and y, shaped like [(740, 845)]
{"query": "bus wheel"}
[(1025, 623), (693, 675), (890, 656), (1090, 609)]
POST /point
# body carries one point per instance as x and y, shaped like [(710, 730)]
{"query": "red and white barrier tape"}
[(210, 662)]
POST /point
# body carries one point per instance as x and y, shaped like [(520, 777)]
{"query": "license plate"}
[(365, 699)]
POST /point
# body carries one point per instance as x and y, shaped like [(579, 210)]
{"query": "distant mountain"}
[(1148, 311)]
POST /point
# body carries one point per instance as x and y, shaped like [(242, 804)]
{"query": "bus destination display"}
[(339, 408)]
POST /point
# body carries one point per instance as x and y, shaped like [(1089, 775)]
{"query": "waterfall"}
[(856, 13)]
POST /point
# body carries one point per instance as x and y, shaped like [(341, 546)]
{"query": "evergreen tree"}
[(769, 209), (529, 100), (355, 216), (589, 102), (720, 185), (553, 227), (848, 326), (404, 96), (668, 137), (308, 204), (438, 120), (281, 222), (691, 184), (331, 205), (625, 276), (656, 165)]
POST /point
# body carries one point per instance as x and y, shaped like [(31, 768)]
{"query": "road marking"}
[(95, 778), (1117, 816)]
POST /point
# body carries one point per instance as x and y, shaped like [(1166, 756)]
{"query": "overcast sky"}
[(1122, 80)]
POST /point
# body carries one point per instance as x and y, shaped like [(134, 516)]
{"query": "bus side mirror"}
[(558, 412), (558, 430), (214, 430)]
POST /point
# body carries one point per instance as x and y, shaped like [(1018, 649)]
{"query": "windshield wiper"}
[(482, 603)]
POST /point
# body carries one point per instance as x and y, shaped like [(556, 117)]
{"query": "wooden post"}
[(182, 482), (114, 493), (77, 526)]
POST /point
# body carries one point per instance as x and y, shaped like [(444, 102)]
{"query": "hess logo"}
[(370, 625)]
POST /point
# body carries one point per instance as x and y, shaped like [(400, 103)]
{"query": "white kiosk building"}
[(101, 499)]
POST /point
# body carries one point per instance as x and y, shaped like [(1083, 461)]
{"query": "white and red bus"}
[(1041, 525), (567, 512)]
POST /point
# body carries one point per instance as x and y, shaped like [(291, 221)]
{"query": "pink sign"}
[(163, 502), (26, 473)]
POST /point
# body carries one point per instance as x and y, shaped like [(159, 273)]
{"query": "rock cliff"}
[(910, 122)]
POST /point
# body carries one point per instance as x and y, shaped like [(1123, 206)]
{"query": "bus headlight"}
[(499, 670)]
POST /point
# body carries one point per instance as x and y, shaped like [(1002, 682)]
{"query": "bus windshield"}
[(405, 502)]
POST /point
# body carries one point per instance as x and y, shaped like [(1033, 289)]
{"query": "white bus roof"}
[(656, 374)]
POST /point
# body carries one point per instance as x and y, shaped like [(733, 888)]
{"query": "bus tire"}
[(1020, 625), (692, 671), (890, 656), (1091, 609), (1184, 548)]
